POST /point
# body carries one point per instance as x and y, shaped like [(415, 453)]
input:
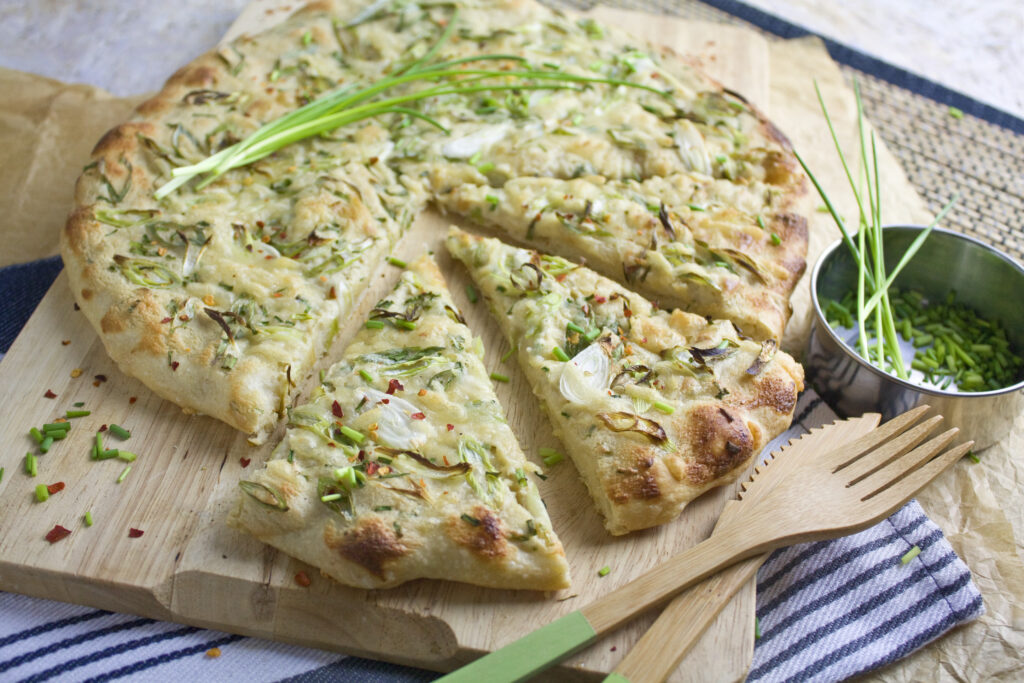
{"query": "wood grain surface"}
[(189, 567)]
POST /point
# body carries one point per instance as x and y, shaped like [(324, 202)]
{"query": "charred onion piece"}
[(264, 495), (703, 355), (628, 422), (627, 374), (768, 349), (526, 277), (744, 261), (665, 222), (457, 468)]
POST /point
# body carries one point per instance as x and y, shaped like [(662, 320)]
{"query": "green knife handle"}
[(533, 652)]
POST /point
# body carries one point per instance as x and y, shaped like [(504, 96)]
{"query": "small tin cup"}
[(983, 278)]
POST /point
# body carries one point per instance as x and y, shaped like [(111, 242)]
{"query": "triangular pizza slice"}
[(653, 407), (401, 465)]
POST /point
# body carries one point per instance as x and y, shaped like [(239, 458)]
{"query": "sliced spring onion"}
[(44, 447), (88, 518), (127, 456), (352, 434), (472, 294), (120, 432), (78, 413), (42, 494), (36, 434), (664, 407), (498, 377), (508, 354), (374, 324), (31, 465), (604, 571), (550, 456), (910, 554), (397, 262), (124, 473), (559, 354)]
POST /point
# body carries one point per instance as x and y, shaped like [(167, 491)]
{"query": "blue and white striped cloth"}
[(827, 611)]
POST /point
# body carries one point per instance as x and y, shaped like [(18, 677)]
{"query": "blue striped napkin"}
[(827, 611)]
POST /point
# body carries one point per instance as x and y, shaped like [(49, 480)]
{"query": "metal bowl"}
[(983, 278)]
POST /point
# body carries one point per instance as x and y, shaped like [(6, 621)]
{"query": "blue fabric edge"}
[(861, 61)]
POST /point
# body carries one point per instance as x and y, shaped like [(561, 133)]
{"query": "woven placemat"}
[(941, 154)]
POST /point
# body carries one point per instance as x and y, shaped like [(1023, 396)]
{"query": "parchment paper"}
[(47, 129)]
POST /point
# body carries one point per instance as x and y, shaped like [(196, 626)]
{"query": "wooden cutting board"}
[(189, 567)]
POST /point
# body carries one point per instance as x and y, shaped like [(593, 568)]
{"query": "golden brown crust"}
[(371, 545), (482, 534)]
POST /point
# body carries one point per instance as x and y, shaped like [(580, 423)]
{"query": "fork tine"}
[(851, 452), (912, 472), (875, 460)]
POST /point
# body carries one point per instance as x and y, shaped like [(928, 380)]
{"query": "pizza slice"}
[(686, 240), (401, 465), (654, 408)]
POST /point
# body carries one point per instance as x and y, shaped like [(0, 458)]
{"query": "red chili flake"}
[(135, 533), (421, 392), (302, 578), (418, 416), (332, 294), (451, 427), (133, 399), (57, 533), (100, 378), (331, 444), (561, 276), (371, 468), (393, 386), (55, 488), (336, 410), (174, 365), (260, 224), (50, 394), (213, 652), (103, 428), (361, 455), (614, 648), (385, 401), (600, 299), (244, 461), (65, 342), (166, 320)]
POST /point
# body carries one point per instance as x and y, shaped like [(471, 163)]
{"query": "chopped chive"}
[(592, 334), (354, 435), (374, 324), (972, 457), (604, 571), (88, 517), (45, 445), (664, 407), (78, 413), (956, 113), (79, 404), (31, 465), (911, 554), (493, 201), (696, 207), (558, 353), (397, 262), (550, 456), (404, 324), (757, 628), (508, 354), (330, 497), (126, 456), (382, 508), (469, 519), (471, 294), (1, 473), (760, 222), (99, 443), (107, 454), (498, 377), (36, 434), (575, 328), (56, 426), (367, 377), (124, 473), (42, 493), (120, 432), (776, 240)]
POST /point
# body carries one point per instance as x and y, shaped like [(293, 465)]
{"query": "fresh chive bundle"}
[(952, 344), (354, 102), (868, 250)]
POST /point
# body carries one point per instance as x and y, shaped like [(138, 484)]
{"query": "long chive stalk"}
[(868, 251), (352, 103)]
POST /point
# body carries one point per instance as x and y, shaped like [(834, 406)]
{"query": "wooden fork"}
[(679, 627), (789, 501)]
